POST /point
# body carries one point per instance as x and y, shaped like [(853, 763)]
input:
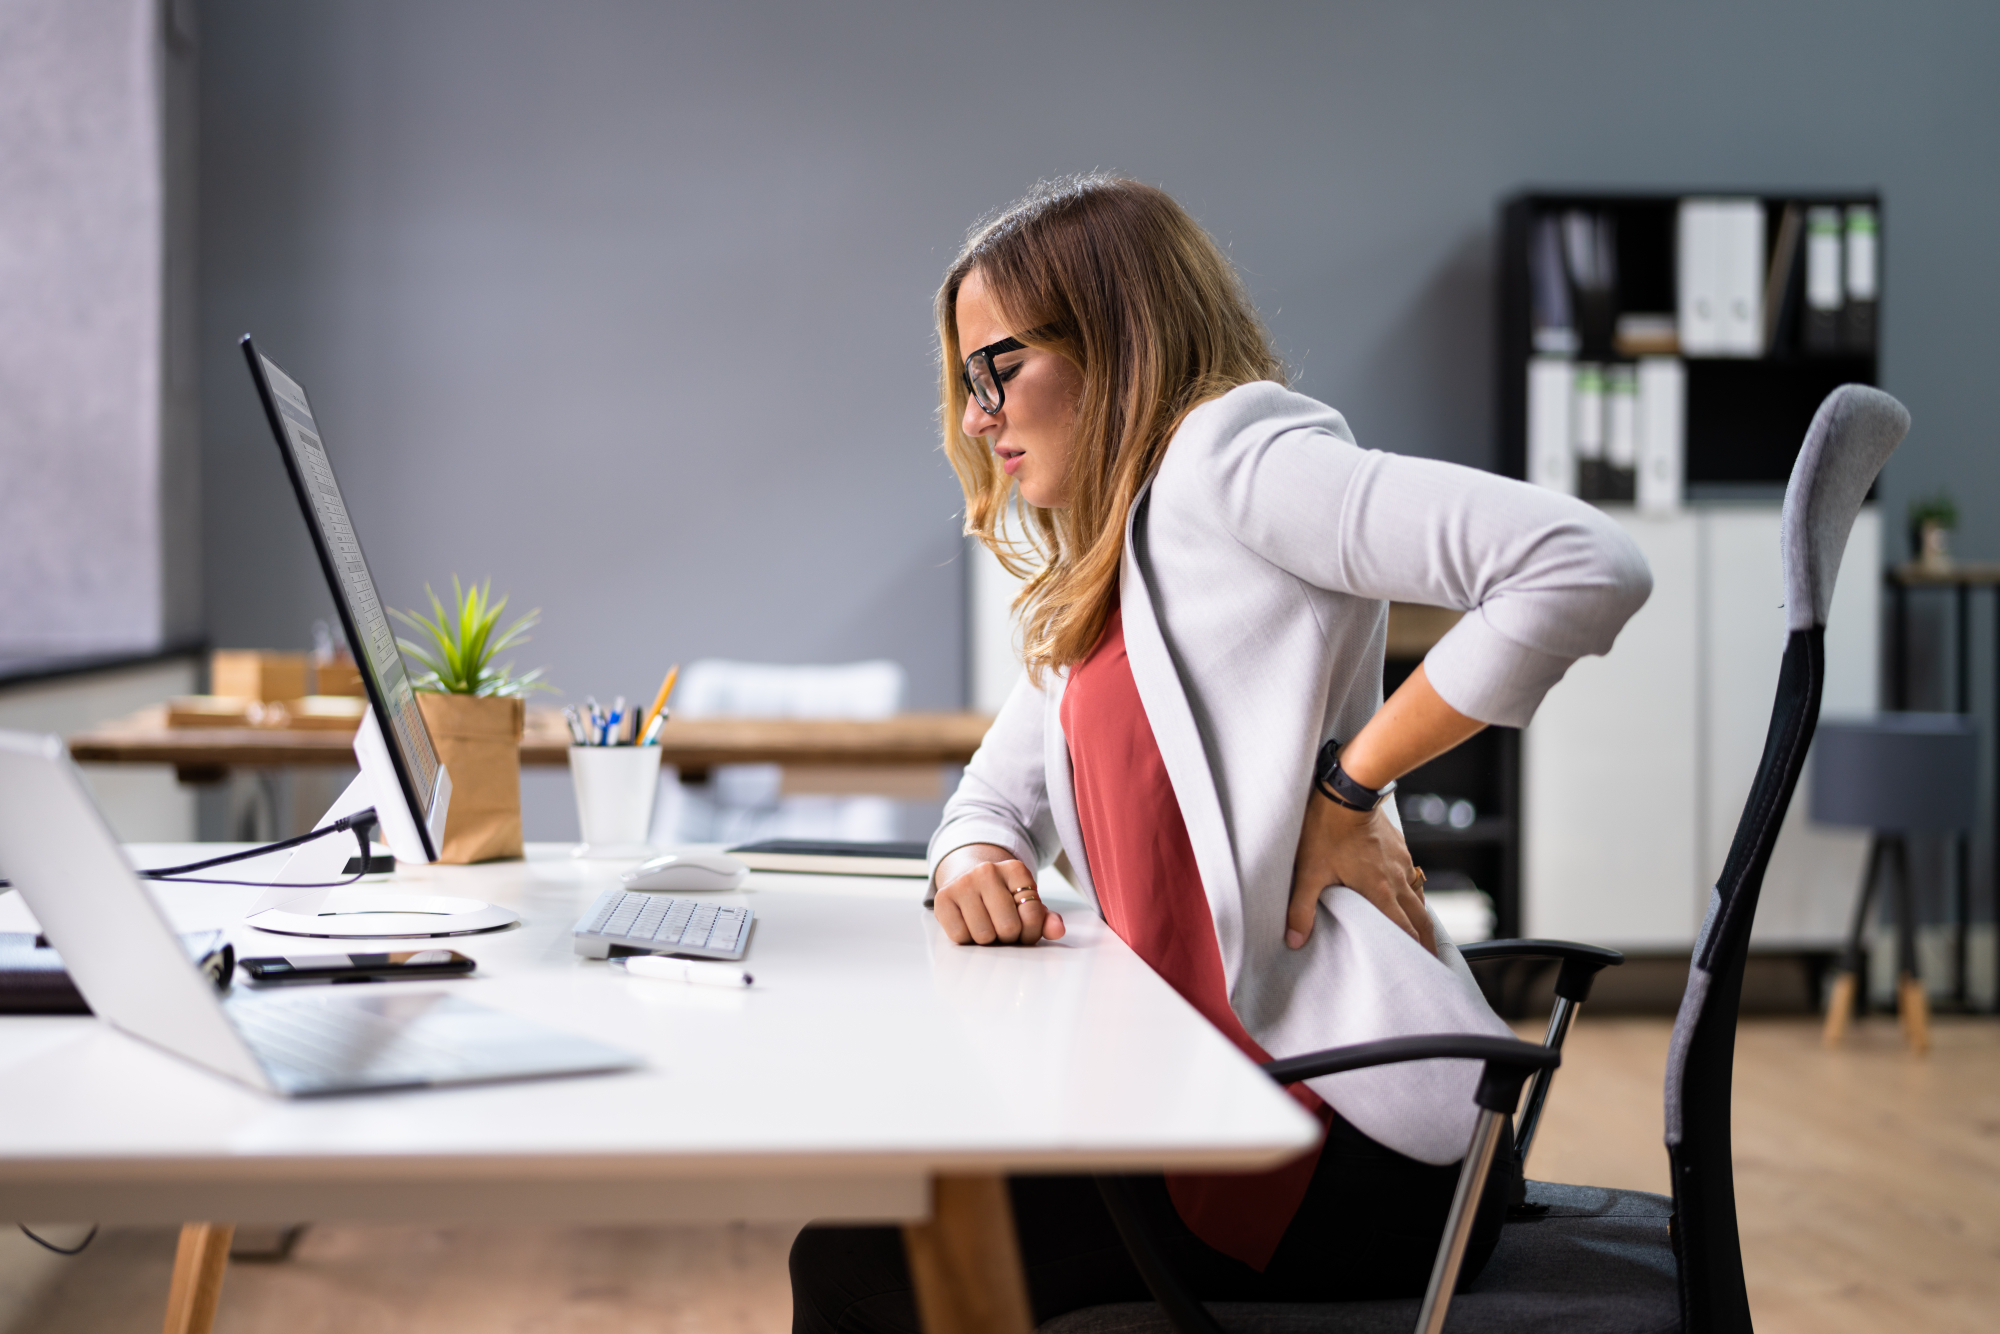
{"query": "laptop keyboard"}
[(661, 924), (335, 1040), (323, 1041)]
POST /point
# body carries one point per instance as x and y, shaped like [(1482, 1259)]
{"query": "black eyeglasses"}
[(987, 385)]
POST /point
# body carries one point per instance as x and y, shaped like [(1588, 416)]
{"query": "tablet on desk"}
[(834, 857)]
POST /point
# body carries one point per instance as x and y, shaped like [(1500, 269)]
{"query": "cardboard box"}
[(338, 676), (256, 674)]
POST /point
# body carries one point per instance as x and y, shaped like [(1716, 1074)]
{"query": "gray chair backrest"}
[(1851, 436)]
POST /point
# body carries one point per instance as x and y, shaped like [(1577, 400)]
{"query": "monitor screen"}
[(361, 612)]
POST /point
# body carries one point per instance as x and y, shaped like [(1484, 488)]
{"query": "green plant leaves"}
[(460, 643)]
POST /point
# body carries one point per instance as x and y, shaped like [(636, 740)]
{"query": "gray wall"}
[(625, 305)]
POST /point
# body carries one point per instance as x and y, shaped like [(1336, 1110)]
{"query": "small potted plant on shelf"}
[(1931, 520), (475, 712)]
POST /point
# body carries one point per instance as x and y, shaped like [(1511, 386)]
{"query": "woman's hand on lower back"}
[(1365, 852), (1361, 849), (987, 897)]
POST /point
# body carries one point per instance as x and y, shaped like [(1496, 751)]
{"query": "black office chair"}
[(1579, 1259)]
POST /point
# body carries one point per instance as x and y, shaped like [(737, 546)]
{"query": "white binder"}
[(1741, 273), (1719, 252), (1662, 433), (1697, 264), (1551, 461)]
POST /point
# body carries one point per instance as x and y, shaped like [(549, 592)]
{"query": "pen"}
[(660, 700), (688, 970), (622, 724)]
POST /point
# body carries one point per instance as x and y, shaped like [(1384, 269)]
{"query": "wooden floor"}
[(1868, 1183), (1867, 1179)]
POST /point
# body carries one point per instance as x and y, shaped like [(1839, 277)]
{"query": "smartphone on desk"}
[(400, 966)]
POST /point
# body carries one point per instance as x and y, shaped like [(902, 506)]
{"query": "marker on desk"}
[(687, 970)]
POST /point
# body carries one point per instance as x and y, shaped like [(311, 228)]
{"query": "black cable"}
[(46, 1244), (261, 884), (362, 821)]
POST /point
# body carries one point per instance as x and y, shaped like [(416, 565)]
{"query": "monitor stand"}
[(298, 904)]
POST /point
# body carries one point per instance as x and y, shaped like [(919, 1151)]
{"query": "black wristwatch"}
[(1338, 787)]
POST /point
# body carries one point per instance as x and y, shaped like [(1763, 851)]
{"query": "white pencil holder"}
[(615, 788)]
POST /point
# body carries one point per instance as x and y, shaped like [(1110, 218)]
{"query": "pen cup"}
[(615, 787)]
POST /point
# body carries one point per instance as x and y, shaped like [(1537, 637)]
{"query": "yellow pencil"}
[(660, 700)]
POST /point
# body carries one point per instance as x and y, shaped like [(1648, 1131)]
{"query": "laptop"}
[(130, 965)]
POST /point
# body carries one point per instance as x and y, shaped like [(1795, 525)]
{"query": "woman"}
[(1210, 562)]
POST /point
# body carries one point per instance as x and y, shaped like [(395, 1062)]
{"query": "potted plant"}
[(475, 712), (1931, 520)]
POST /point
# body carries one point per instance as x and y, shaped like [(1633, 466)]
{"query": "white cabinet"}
[(1636, 768)]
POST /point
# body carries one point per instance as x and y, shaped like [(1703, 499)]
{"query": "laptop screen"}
[(361, 611)]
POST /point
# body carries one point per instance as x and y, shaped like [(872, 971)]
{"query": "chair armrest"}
[(1580, 963), (1508, 1062)]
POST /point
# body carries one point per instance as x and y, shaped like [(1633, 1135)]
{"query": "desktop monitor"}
[(424, 786)]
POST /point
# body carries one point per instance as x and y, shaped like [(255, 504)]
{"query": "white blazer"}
[(1259, 564)]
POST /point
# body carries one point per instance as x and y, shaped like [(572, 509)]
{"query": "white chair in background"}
[(744, 802)]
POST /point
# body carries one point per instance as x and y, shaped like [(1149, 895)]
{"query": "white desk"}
[(872, 1059)]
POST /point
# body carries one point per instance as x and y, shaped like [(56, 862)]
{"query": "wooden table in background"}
[(693, 746), (206, 754)]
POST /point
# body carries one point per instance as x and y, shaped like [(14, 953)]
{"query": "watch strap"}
[(1340, 787)]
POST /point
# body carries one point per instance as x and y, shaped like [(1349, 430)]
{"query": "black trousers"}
[(1369, 1227)]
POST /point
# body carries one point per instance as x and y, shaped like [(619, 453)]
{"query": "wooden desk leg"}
[(1839, 1010), (198, 1270), (966, 1261), (1913, 1008)]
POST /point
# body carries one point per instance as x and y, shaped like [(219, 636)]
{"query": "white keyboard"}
[(660, 924)]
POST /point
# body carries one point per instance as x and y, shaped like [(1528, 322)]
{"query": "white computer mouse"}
[(687, 870)]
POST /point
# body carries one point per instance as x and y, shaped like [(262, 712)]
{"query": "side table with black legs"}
[(1960, 579)]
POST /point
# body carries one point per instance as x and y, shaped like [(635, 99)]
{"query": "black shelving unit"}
[(1745, 416), (1485, 771)]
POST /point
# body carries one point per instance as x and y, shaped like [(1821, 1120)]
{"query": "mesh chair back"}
[(1851, 436)]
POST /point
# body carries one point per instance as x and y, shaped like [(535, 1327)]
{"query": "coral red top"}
[(1142, 865)]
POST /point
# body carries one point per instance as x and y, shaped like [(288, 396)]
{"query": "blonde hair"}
[(1117, 279)]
